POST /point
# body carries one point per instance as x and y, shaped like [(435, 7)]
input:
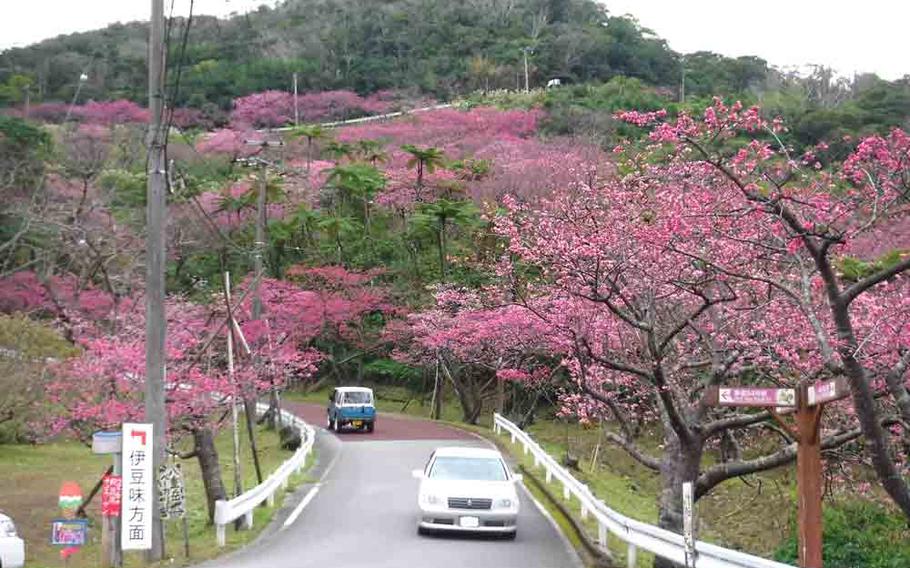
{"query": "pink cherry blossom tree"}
[(669, 280), (857, 320)]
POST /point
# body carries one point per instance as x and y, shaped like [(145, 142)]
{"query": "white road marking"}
[(299, 509)]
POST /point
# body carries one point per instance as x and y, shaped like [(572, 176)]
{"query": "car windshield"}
[(468, 469), (358, 397)]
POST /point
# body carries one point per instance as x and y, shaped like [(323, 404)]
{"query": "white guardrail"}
[(635, 534), (227, 512)]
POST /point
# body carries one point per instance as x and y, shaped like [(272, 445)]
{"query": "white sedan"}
[(467, 490), (12, 548)]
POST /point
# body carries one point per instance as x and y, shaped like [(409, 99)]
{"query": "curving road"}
[(361, 513)]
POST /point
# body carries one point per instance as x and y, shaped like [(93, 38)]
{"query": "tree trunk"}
[(680, 464), (207, 454), (867, 413), (442, 249)]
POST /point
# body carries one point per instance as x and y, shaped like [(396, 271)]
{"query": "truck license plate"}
[(358, 423)]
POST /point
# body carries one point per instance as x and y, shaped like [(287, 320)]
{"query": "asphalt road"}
[(362, 511)]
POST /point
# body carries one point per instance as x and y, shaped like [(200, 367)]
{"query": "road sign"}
[(69, 532), (136, 491), (688, 528), (111, 493), (171, 492), (752, 396), (826, 391), (106, 442)]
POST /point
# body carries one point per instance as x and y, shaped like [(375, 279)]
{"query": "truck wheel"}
[(328, 422), (337, 425), (370, 426), (422, 531)]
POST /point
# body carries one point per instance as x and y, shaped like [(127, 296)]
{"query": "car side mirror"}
[(417, 474), (517, 478)]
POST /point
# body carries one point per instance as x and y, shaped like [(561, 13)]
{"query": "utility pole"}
[(260, 238), (527, 80), (154, 296), (235, 425), (682, 84), (296, 110), (28, 99)]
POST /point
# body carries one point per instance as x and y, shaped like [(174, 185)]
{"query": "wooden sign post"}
[(807, 404)]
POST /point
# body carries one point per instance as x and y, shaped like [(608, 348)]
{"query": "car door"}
[(330, 410)]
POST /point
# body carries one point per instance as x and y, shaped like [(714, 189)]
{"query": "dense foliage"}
[(439, 47)]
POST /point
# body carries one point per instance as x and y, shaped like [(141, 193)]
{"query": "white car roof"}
[(354, 389), (467, 452), (3, 517)]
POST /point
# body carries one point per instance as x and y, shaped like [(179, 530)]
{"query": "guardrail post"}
[(526, 448), (549, 476), (513, 437), (270, 500), (536, 460), (219, 535), (248, 520), (632, 556), (584, 511), (565, 491), (602, 535)]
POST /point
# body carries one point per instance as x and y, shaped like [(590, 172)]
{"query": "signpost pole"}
[(809, 482), (688, 524), (808, 402)]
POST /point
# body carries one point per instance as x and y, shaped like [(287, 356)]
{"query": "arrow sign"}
[(826, 391), (752, 396)]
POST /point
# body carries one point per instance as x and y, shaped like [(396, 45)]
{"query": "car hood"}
[(478, 489)]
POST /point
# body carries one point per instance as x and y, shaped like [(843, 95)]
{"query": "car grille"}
[(469, 503)]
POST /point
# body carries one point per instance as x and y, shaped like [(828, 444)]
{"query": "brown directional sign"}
[(751, 396), (826, 391)]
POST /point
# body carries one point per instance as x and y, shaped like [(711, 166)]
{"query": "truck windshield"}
[(358, 398)]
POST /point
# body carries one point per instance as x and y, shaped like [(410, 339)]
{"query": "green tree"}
[(438, 217), (312, 133), (425, 160)]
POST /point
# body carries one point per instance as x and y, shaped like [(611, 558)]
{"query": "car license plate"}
[(358, 423), (469, 522)]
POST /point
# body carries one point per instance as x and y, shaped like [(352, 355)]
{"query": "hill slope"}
[(439, 47)]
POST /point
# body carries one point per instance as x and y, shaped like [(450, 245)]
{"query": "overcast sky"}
[(851, 36)]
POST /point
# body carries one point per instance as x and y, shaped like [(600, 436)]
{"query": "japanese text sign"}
[(171, 492), (111, 492), (69, 532), (137, 487)]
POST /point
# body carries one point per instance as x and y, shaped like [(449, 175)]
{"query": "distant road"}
[(362, 511), (363, 119)]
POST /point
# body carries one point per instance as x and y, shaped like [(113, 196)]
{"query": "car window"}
[(358, 397), (468, 469)]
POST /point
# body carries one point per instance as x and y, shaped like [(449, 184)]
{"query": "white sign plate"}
[(138, 479)]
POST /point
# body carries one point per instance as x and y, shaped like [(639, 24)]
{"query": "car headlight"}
[(431, 499), (504, 503)]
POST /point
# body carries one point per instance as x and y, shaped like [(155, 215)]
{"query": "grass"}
[(35, 473), (725, 517)]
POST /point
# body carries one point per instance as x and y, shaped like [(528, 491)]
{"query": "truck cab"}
[(351, 406)]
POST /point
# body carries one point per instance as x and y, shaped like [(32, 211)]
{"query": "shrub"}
[(859, 535)]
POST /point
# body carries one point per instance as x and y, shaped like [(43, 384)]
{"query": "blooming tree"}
[(857, 319), (680, 275)]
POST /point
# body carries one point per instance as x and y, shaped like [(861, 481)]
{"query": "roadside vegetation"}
[(589, 260)]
